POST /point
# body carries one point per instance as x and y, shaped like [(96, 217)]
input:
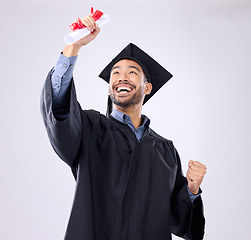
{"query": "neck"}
[(134, 112)]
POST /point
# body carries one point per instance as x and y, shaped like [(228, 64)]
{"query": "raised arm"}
[(62, 73), (60, 110)]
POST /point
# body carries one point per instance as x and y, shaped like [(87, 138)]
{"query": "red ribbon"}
[(78, 24)]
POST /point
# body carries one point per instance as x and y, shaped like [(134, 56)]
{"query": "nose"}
[(123, 77), (124, 80)]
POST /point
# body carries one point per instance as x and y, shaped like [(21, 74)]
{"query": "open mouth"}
[(123, 89)]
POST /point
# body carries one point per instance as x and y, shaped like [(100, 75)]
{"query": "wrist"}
[(71, 50), (193, 191)]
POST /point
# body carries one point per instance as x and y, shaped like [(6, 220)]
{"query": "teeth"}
[(124, 89)]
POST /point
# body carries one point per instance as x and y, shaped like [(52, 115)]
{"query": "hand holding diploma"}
[(80, 30), (93, 30)]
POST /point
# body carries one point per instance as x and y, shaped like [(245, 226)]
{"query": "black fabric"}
[(125, 189), (109, 106)]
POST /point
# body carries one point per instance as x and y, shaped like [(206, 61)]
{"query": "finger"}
[(190, 163), (196, 163), (88, 18), (95, 32), (193, 179), (198, 167), (88, 25), (197, 170), (189, 175), (97, 27), (89, 22), (195, 175)]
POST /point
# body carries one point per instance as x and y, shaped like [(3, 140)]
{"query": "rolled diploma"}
[(80, 33)]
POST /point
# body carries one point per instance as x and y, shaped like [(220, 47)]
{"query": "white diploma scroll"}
[(80, 33)]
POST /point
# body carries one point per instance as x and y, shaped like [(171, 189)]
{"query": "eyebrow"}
[(128, 67)]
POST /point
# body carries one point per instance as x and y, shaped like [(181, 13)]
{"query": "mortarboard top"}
[(152, 69)]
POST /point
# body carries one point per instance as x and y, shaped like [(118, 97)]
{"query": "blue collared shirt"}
[(122, 117)]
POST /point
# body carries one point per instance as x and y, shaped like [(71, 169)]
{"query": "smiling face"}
[(128, 85)]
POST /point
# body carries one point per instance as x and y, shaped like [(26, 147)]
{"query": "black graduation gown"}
[(125, 189)]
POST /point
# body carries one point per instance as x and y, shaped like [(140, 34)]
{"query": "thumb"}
[(190, 163)]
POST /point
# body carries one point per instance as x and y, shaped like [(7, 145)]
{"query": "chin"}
[(123, 104), (127, 101)]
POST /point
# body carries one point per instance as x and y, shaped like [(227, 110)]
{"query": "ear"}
[(148, 88)]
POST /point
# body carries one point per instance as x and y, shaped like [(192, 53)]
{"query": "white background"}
[(204, 109)]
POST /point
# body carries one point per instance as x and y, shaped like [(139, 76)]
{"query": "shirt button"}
[(65, 65)]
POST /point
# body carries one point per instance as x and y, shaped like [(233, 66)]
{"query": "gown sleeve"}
[(187, 219), (65, 136)]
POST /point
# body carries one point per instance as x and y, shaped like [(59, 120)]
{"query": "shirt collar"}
[(122, 117)]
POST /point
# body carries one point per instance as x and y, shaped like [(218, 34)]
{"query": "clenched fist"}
[(195, 174)]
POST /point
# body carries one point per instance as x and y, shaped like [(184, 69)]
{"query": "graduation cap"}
[(154, 72)]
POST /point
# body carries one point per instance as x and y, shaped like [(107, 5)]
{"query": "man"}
[(129, 182)]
